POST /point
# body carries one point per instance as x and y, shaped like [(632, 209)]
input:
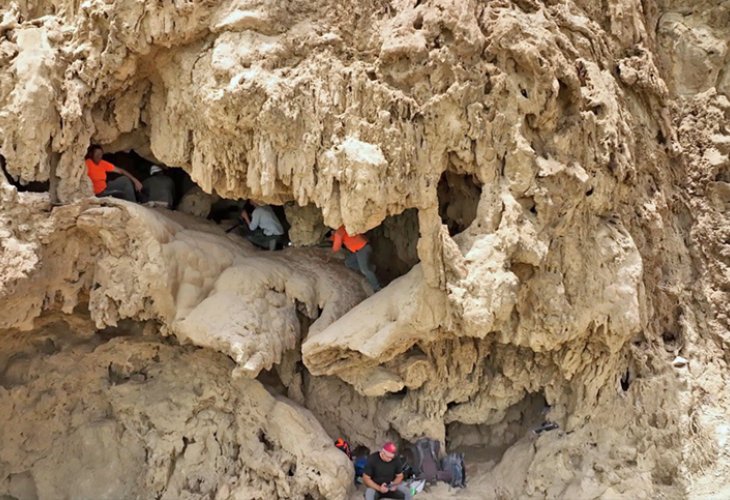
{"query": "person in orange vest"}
[(96, 168), (358, 255)]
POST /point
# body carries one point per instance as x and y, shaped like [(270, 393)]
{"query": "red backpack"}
[(343, 445)]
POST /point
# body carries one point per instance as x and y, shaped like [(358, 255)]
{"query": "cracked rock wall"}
[(596, 140)]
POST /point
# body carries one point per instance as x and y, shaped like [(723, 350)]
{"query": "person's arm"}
[(135, 181), (337, 241), (367, 481), (253, 223), (398, 479)]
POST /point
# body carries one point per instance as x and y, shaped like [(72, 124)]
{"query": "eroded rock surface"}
[(130, 416), (200, 284), (565, 163)]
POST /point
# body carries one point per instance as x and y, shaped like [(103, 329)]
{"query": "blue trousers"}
[(360, 261)]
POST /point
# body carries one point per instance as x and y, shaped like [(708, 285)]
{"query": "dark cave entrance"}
[(140, 167), (490, 441), (394, 241), (458, 196), (395, 245), (222, 210), (23, 187)]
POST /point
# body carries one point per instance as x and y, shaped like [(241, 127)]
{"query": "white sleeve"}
[(255, 219)]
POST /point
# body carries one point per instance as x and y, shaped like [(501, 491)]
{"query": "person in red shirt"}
[(124, 186), (358, 255)]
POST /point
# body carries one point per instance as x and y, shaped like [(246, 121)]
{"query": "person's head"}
[(254, 203), (154, 169), (388, 451), (95, 153)]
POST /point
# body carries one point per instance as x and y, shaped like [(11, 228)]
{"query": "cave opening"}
[(140, 166), (489, 441), (23, 187), (271, 380), (394, 241), (626, 380), (187, 196), (395, 245), (458, 196)]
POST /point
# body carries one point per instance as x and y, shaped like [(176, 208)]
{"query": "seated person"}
[(265, 229), (122, 187), (159, 187), (383, 475)]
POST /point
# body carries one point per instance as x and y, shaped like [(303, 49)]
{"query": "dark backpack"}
[(425, 463), (453, 465), (407, 468), (360, 463)]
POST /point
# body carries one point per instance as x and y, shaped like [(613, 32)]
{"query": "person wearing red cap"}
[(383, 475)]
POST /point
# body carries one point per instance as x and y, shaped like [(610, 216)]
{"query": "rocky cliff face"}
[(558, 170)]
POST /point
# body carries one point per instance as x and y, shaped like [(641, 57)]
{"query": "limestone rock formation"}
[(128, 414), (546, 184)]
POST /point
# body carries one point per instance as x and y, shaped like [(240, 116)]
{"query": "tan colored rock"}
[(307, 225), (196, 202), (697, 52), (140, 417), (591, 247), (206, 288)]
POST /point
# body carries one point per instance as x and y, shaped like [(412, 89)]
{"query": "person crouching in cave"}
[(264, 228), (123, 186), (160, 188), (383, 475), (359, 253)]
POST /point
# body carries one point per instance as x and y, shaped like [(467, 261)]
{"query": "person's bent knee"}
[(371, 494), (405, 491), (127, 187)]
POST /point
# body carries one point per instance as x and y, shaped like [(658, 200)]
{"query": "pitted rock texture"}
[(565, 164), (129, 416)]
